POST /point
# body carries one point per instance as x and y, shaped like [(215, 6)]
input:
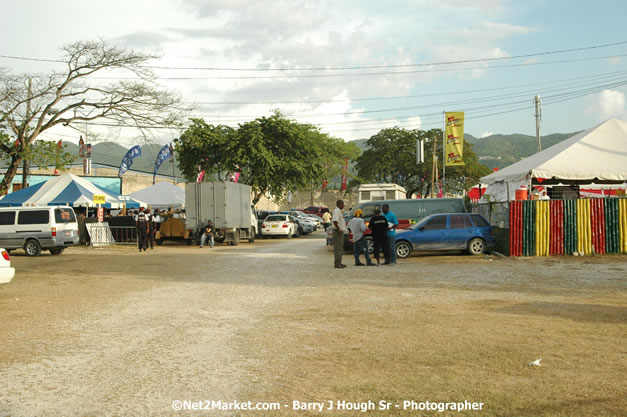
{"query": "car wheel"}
[(32, 247), (298, 232), (56, 251), (476, 246), (403, 249), (370, 245)]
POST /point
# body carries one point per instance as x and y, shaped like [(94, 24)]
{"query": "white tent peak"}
[(596, 153), (161, 195)]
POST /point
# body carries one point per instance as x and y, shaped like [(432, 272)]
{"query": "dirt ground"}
[(114, 332)]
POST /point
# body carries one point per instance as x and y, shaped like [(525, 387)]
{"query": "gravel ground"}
[(114, 332)]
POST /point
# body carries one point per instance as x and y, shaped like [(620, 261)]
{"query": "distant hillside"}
[(501, 150), (109, 153)]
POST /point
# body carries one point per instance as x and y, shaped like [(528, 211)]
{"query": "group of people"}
[(383, 227), (147, 225)]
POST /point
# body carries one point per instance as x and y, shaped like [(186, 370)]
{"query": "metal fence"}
[(496, 213), (124, 235), (100, 234)]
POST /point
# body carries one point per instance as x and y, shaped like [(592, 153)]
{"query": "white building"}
[(373, 192)]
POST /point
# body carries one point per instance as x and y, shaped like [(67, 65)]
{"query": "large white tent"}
[(161, 195), (594, 156)]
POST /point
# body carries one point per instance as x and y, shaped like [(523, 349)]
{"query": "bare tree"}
[(30, 105)]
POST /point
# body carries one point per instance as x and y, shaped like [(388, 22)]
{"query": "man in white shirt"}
[(357, 226), (339, 228)]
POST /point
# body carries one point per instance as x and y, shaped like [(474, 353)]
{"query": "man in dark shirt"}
[(207, 234), (379, 227)]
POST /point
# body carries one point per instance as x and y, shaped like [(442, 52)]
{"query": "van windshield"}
[(64, 215)]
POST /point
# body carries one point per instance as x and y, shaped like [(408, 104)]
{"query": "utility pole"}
[(26, 167), (433, 169), (538, 107)]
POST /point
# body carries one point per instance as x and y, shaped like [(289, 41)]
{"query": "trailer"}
[(227, 204)]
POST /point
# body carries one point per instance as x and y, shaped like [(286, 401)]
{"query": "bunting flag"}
[(200, 176), (81, 147), (454, 139), (344, 174), (324, 184), (164, 153), (127, 161)]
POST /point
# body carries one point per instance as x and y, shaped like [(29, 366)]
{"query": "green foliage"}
[(272, 154), (390, 157), (40, 153)]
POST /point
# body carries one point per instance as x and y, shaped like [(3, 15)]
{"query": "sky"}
[(352, 67)]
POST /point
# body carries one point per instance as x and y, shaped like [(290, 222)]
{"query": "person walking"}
[(379, 227), (339, 228), (391, 234), (150, 237), (141, 224), (207, 234), (357, 226), (326, 219)]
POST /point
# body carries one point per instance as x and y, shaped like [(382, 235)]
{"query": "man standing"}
[(141, 223), (207, 234), (357, 228), (339, 227), (391, 235), (150, 237), (379, 227)]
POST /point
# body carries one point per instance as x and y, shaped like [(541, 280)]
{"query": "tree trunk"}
[(10, 174)]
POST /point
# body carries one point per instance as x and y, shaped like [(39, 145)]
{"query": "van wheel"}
[(403, 249), (32, 248), (476, 246), (56, 251)]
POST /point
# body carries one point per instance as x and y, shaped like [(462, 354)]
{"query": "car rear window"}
[(479, 221), (7, 217), (33, 217), (64, 215), (275, 218), (460, 221)]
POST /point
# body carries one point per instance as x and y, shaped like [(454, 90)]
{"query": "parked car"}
[(279, 225), (261, 216), (6, 271), (317, 219), (317, 210), (307, 224), (35, 228), (444, 232)]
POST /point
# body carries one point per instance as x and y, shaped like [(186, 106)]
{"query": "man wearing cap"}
[(339, 227), (357, 228), (379, 227)]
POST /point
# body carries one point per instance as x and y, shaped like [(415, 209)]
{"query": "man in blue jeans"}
[(390, 257)]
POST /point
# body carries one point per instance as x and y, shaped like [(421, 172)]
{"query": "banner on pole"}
[(164, 154), (344, 174), (454, 139), (127, 161)]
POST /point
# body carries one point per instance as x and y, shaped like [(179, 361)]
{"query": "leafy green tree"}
[(391, 158), (272, 154), (204, 147)]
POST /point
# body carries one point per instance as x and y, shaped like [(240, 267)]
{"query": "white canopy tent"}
[(161, 195), (594, 156)]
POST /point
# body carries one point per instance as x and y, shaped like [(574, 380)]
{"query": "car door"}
[(460, 231), (433, 235)]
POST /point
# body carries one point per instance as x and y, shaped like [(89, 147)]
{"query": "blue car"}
[(453, 231)]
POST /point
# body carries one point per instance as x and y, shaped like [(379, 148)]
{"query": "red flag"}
[(200, 176), (324, 184)]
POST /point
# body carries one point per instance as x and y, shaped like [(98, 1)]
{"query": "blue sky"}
[(297, 35)]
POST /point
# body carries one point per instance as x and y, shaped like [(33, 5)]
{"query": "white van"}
[(35, 228)]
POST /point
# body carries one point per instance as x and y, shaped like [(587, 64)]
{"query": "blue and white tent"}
[(64, 190)]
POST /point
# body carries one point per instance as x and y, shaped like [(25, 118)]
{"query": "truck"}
[(227, 204)]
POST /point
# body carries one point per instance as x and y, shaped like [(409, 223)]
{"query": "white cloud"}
[(485, 134), (611, 103)]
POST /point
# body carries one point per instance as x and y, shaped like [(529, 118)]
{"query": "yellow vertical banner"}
[(543, 227), (584, 227), (622, 224), (454, 138)]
